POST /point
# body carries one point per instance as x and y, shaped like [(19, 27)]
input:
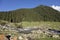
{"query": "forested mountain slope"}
[(39, 13)]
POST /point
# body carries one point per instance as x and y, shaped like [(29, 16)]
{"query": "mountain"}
[(39, 13)]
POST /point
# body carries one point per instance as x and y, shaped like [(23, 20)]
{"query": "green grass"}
[(47, 39), (55, 25)]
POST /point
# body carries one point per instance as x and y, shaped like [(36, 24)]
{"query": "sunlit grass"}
[(47, 38), (55, 25)]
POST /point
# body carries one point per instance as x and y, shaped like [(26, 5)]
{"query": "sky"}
[(8, 5)]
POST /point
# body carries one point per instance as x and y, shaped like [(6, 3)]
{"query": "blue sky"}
[(6, 5)]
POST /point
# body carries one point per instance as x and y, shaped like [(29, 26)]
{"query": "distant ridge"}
[(39, 13)]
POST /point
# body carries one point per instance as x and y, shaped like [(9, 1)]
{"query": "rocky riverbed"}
[(29, 33)]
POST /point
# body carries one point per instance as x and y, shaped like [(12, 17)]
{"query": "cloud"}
[(56, 7)]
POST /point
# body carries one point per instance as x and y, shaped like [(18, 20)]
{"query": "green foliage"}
[(3, 22), (40, 13)]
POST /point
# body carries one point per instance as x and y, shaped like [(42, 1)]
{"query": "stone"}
[(2, 37), (56, 36)]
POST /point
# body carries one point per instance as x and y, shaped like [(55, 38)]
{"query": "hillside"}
[(40, 13), (31, 23)]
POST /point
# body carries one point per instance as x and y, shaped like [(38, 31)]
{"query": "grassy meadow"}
[(55, 25)]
